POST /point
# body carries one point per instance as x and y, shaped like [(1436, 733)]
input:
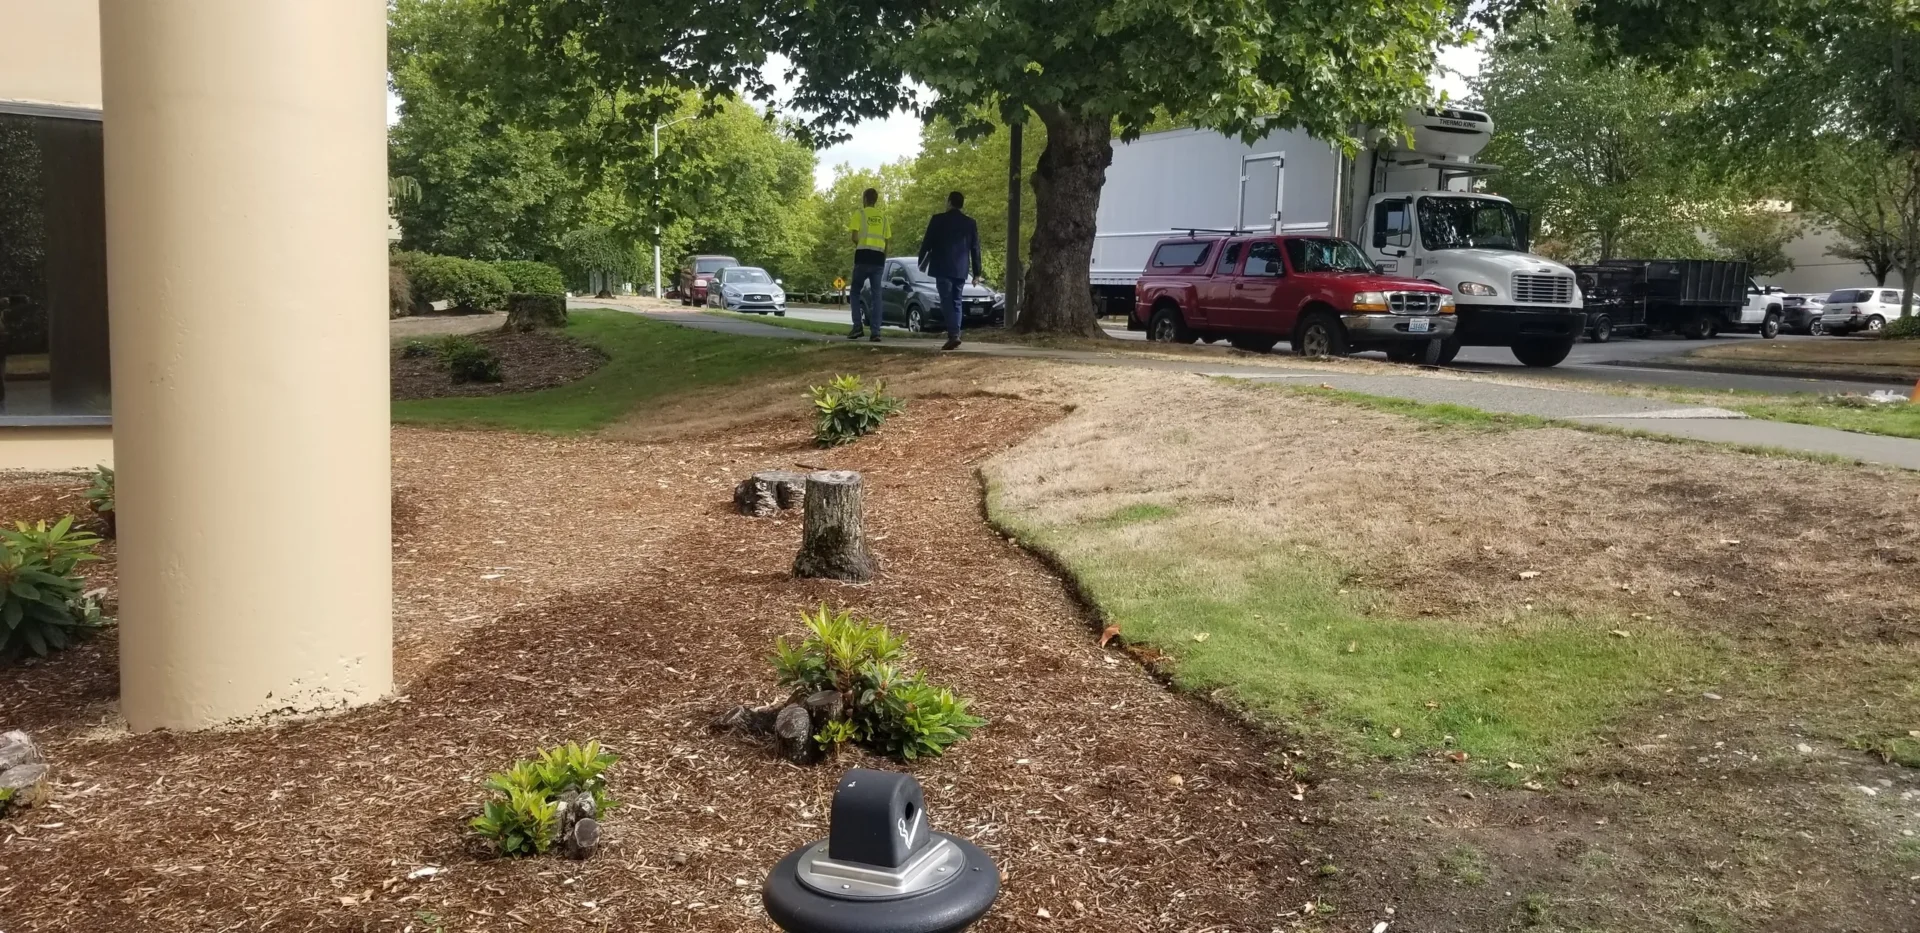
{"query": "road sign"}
[(839, 283)]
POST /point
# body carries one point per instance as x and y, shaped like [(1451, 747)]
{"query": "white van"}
[(1860, 309)]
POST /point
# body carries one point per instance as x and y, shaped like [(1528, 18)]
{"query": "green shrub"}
[(465, 284), (99, 496), (1902, 328), (536, 278), (42, 606), (888, 709), (848, 409), (418, 350), (470, 362), (522, 818), (399, 292)]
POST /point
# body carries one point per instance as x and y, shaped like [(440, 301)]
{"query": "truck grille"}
[(1543, 289), (1413, 302)]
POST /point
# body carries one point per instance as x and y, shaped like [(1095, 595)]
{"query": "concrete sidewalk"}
[(1620, 411)]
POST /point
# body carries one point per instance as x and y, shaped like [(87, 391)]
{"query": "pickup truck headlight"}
[(1480, 289), (1446, 304), (1370, 302)]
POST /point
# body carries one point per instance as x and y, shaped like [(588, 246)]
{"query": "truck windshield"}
[(1468, 223), (1326, 254)]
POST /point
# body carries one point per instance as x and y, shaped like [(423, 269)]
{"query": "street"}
[(1612, 362)]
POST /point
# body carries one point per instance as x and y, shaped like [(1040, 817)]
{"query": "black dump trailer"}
[(1695, 298)]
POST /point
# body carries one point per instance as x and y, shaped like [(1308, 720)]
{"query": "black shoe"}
[(854, 336), (875, 338), (953, 343)]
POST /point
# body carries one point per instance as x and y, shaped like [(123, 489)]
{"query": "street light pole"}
[(656, 200)]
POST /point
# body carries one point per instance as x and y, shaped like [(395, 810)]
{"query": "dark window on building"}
[(53, 268), (1179, 255)]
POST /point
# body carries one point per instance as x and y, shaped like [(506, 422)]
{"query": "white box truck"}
[(1411, 209)]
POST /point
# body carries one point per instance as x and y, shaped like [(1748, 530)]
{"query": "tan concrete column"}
[(246, 239)]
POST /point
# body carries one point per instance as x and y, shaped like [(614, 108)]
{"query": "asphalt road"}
[(1591, 362)]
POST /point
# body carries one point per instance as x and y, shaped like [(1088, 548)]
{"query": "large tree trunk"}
[(1056, 297)]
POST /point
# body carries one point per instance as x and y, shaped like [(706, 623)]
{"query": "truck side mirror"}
[(1273, 267), (1526, 231), (1402, 240)]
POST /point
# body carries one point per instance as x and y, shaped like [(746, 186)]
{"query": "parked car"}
[(1800, 314), (908, 297), (697, 273), (1320, 293), (746, 289), (1849, 310)]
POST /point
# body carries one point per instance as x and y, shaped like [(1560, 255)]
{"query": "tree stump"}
[(834, 544), (530, 312), (769, 491), (576, 824), (794, 732)]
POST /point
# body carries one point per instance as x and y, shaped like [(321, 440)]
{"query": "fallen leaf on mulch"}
[(1459, 756), (1107, 634)]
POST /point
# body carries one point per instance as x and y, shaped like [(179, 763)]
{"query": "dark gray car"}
[(909, 298)]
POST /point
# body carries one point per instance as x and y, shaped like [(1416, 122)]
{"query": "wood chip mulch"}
[(527, 362), (550, 590)]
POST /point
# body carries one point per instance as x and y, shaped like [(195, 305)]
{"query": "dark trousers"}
[(950, 303), (865, 275)]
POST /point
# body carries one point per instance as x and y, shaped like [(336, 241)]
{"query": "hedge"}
[(536, 278), (464, 284)]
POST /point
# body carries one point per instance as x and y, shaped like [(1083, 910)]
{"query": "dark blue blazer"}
[(952, 240)]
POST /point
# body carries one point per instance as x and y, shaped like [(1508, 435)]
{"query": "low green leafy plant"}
[(418, 350), (848, 409), (888, 709), (522, 817), (468, 361), (99, 495), (43, 608)]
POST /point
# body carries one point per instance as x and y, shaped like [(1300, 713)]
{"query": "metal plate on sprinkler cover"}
[(929, 869)]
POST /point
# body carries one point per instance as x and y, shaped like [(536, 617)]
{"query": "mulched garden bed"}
[(527, 361), (552, 589)]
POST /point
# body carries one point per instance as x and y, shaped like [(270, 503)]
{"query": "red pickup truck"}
[(1320, 293)]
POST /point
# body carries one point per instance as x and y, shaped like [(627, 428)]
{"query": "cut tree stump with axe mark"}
[(833, 544)]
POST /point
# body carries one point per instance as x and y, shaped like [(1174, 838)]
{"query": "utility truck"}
[(1411, 208), (1695, 298)]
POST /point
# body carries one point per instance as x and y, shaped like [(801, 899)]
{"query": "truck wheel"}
[(1697, 327), (1601, 329), (1320, 334), (1448, 350), (1770, 328), (1542, 353), (1169, 327), (1253, 344)]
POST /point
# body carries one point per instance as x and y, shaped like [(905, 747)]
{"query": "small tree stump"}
[(824, 706), (834, 544), (794, 731), (769, 491), (529, 312), (755, 719)]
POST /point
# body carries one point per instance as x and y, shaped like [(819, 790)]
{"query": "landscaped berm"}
[(1248, 659)]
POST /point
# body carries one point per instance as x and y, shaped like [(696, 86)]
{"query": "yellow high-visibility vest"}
[(872, 225)]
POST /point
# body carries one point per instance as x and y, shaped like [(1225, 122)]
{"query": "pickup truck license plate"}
[(1418, 325)]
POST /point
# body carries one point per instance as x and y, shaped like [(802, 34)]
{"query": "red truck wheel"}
[(1168, 326), (1320, 334)]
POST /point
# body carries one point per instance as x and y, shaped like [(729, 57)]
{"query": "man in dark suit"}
[(950, 248)]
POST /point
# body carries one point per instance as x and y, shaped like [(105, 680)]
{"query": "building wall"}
[(50, 52), (50, 55), (1816, 272)]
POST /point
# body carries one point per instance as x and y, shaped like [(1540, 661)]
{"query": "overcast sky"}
[(877, 142)]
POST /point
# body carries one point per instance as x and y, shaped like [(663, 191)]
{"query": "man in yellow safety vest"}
[(871, 230)]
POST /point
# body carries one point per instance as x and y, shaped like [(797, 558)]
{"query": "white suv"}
[(1855, 309)]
